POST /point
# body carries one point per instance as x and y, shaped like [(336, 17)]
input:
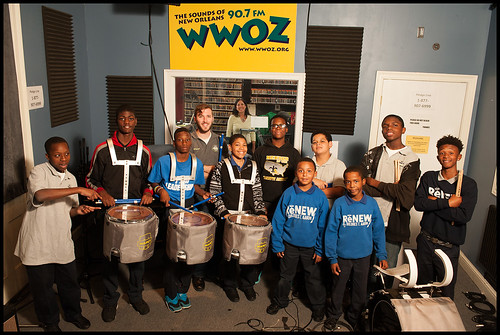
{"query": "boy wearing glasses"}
[(276, 161)]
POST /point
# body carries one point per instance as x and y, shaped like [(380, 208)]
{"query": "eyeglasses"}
[(276, 126)]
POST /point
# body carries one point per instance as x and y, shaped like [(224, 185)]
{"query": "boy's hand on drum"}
[(383, 264), (146, 199), (280, 254), (263, 216), (317, 258), (336, 268), (164, 197), (107, 199)]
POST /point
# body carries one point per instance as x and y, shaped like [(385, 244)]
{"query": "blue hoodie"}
[(300, 219), (354, 228)]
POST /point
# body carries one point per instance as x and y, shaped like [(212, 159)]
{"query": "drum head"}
[(192, 219), (129, 213), (248, 220)]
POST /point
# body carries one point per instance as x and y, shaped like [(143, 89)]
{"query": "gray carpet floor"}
[(211, 310)]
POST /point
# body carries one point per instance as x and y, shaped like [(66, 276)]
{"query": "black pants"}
[(211, 268), (312, 276), (360, 269), (430, 266), (248, 274), (110, 281), (41, 280), (177, 277)]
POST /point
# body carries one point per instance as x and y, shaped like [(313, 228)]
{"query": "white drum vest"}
[(126, 163)]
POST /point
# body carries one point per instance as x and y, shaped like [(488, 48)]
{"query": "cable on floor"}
[(258, 325)]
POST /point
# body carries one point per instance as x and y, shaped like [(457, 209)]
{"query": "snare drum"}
[(246, 238), (412, 310), (190, 237), (130, 233)]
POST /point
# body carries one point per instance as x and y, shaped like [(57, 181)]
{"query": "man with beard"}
[(205, 144)]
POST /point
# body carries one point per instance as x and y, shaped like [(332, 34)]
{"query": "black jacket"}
[(398, 228)]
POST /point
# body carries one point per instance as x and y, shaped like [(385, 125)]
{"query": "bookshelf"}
[(219, 93)]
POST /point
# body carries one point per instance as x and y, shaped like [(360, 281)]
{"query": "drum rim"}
[(249, 215), (193, 213), (381, 295), (213, 221), (109, 217)]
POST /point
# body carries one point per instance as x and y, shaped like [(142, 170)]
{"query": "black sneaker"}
[(108, 313), (198, 283), (330, 323), (355, 325), (249, 293), (51, 328), (232, 294), (141, 306), (81, 322), (273, 308), (318, 315)]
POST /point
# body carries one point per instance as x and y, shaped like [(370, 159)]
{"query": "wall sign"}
[(233, 37), (35, 97)]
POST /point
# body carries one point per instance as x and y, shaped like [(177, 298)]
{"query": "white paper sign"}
[(35, 97), (259, 122)]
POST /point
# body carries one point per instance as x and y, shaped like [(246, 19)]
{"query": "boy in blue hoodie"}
[(298, 227), (354, 229)]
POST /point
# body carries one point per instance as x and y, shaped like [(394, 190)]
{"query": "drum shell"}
[(388, 311), (130, 240), (197, 242), (251, 242)]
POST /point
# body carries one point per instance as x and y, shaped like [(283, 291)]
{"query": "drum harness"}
[(242, 183), (126, 163), (485, 320), (182, 179)]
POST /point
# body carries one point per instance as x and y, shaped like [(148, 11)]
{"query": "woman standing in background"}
[(240, 123)]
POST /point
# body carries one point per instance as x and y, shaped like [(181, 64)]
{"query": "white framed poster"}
[(432, 105), (176, 104)]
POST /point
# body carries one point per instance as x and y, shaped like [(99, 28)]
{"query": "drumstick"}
[(459, 187), (205, 200), (221, 144), (122, 201), (179, 206), (459, 182), (396, 179)]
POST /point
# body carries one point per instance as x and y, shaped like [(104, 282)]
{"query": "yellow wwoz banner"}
[(232, 37)]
